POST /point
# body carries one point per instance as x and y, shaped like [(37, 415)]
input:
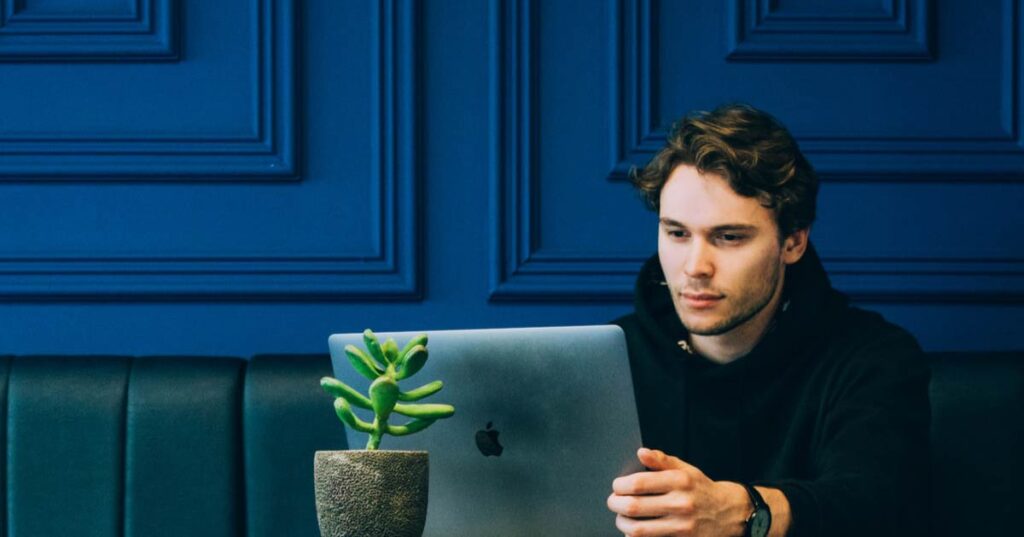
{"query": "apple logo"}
[(487, 441)]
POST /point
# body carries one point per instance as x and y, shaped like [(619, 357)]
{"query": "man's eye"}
[(677, 234), (729, 237)]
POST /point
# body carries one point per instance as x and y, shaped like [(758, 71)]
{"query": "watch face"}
[(759, 525)]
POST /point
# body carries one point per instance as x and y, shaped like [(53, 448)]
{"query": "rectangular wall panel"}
[(348, 234), (123, 144), (527, 267), (138, 30)]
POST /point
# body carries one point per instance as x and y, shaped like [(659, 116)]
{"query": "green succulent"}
[(385, 365)]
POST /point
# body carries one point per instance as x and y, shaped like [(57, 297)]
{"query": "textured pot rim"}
[(397, 451)]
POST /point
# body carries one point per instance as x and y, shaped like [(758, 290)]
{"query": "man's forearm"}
[(779, 505)]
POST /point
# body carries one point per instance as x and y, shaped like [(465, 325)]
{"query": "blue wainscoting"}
[(248, 176)]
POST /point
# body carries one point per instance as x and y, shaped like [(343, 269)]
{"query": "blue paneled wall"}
[(246, 176)]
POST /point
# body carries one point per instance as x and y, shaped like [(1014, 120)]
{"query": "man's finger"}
[(651, 506), (655, 459), (652, 527), (657, 482)]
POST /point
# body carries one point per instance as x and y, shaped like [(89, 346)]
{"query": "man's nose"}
[(699, 262)]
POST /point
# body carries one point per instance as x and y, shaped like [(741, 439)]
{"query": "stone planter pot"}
[(376, 493)]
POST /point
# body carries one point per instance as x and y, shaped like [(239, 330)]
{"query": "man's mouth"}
[(701, 301)]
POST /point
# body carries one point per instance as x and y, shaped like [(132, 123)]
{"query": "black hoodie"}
[(831, 406)]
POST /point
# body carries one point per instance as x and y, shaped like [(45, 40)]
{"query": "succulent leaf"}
[(413, 363), (338, 388), (420, 340), (390, 349), (373, 345), (344, 412), (362, 363), (383, 396), (421, 392), (409, 428), (427, 411), (385, 365)]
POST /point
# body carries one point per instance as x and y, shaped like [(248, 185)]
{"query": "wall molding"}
[(147, 32), (390, 272), (266, 153), (898, 31), (543, 278), (941, 158), (522, 272)]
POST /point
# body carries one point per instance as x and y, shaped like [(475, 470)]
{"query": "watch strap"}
[(761, 510), (755, 497)]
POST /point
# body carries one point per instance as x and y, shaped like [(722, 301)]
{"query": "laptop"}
[(553, 410)]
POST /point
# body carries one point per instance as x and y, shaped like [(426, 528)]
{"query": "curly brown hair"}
[(751, 150)]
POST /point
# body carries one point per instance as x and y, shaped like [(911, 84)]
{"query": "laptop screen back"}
[(545, 419)]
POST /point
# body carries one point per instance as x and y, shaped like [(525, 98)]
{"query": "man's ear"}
[(795, 245)]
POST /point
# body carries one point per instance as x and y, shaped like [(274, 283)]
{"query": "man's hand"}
[(675, 499)]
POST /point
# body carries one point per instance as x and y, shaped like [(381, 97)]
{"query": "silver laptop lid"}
[(559, 401)]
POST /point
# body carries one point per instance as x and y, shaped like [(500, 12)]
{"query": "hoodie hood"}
[(808, 301)]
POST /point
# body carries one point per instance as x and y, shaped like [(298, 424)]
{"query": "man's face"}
[(714, 242)]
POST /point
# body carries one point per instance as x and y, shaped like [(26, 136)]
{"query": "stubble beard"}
[(734, 320)]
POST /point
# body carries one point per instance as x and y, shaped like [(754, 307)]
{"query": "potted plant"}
[(371, 492)]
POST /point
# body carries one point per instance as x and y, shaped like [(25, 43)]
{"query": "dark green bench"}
[(149, 447), (223, 447)]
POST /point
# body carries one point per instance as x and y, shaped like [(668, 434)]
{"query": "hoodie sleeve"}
[(871, 459)]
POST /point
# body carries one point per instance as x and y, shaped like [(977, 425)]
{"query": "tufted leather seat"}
[(222, 447), (148, 447), (977, 443)]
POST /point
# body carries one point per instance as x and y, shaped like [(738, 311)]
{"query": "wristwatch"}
[(760, 521)]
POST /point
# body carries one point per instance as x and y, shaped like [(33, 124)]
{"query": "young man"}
[(770, 406)]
